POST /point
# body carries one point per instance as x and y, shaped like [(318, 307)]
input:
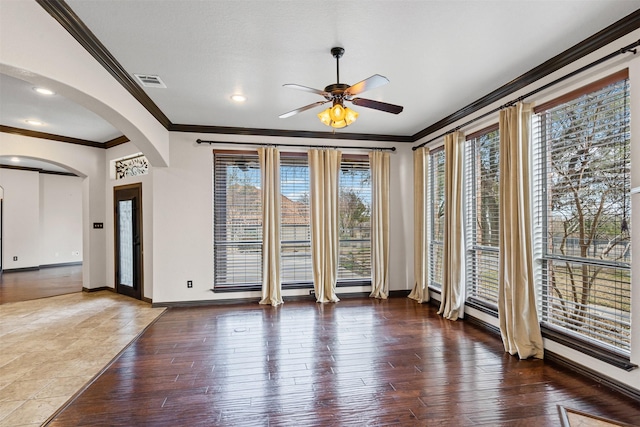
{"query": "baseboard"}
[(552, 357), (254, 300), (38, 267), (61, 264), (20, 270), (101, 288), (399, 294), (590, 373)]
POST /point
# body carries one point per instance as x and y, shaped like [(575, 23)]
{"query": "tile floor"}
[(52, 347)]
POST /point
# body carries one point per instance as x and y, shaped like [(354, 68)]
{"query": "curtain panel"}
[(379, 164), (269, 158), (519, 325), (324, 169), (420, 291), (452, 303)]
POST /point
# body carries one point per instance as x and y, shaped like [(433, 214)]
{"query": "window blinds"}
[(482, 184), (582, 181), (436, 200), (237, 217)]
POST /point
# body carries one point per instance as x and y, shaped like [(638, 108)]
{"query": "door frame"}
[(138, 255)]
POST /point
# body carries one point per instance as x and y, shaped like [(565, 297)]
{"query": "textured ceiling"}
[(438, 55)]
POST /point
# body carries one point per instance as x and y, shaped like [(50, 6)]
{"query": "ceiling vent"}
[(147, 80)]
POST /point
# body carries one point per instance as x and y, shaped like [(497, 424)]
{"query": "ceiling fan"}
[(339, 116)]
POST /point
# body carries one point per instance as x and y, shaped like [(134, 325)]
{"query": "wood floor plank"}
[(357, 362), (41, 283)]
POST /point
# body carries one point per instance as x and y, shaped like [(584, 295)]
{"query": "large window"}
[(582, 173), (237, 217), (483, 215), (238, 221), (436, 201), (354, 204), (295, 230)]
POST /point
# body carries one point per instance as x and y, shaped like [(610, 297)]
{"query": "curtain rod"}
[(202, 141), (629, 48)]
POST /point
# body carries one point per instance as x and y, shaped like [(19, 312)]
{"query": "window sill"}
[(587, 348), (287, 286)]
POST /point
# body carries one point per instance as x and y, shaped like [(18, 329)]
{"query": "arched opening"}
[(41, 229)]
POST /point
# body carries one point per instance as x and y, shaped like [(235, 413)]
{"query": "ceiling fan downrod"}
[(337, 53)]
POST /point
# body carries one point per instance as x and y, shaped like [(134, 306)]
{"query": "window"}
[(237, 217), (582, 178), (436, 205), (238, 221), (483, 220), (354, 205), (295, 229)]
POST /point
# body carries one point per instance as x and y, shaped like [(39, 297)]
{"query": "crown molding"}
[(599, 40), (288, 133), (63, 13), (39, 170), (116, 141), (50, 136)]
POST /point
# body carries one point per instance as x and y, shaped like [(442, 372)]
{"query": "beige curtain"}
[(324, 168), (420, 290), (452, 303), (516, 299), (379, 164), (270, 182)]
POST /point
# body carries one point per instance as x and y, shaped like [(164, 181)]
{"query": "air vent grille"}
[(147, 80)]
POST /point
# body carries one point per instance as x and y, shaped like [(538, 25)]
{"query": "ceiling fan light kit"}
[(339, 116)]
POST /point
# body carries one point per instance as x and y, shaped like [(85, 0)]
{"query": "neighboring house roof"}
[(244, 207)]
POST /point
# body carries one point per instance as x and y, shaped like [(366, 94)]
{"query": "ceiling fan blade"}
[(377, 105), (367, 84), (307, 89), (301, 109)]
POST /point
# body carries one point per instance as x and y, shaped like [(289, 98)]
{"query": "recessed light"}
[(34, 122), (44, 91), (238, 98), (15, 160)]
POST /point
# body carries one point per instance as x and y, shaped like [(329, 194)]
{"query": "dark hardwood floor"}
[(45, 282), (358, 362)]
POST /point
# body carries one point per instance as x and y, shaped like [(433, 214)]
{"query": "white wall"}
[(183, 218), (181, 195), (87, 162), (60, 219), (21, 206), (631, 379), (118, 152), (36, 48)]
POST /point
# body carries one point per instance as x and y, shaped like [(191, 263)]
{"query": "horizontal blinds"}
[(583, 181), (295, 231), (238, 220), (436, 214), (237, 217), (483, 215), (354, 222)]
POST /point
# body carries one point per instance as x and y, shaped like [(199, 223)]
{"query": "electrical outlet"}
[(312, 292), (189, 283), (15, 258)]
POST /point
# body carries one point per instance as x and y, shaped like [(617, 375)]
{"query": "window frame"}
[(431, 202), (474, 268), (575, 340), (299, 284)]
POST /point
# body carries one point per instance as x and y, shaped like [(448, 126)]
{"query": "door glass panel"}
[(125, 227)]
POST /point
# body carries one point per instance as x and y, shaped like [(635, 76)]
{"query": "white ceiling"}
[(59, 116), (438, 55)]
